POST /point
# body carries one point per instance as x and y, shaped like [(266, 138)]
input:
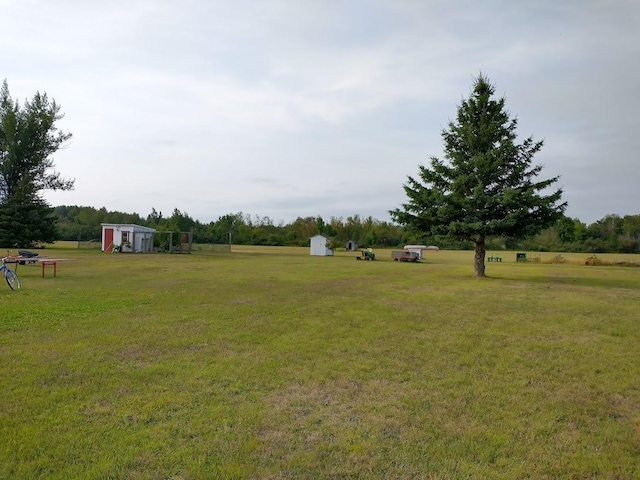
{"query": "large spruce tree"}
[(486, 185), (28, 139)]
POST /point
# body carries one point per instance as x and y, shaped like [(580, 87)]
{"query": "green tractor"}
[(367, 255)]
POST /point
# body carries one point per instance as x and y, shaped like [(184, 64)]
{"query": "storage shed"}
[(127, 238), (319, 246), (351, 246)]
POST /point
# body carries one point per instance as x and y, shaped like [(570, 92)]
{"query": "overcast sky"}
[(295, 108)]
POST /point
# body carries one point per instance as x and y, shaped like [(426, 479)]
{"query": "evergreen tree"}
[(28, 139), (486, 186)]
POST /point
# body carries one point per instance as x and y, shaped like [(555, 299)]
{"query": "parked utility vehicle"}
[(366, 255), (405, 256)]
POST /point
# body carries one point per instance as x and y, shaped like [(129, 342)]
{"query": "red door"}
[(108, 240)]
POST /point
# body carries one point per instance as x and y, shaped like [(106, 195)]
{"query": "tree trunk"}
[(479, 258)]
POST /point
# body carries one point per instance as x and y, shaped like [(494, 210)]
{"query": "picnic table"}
[(33, 259)]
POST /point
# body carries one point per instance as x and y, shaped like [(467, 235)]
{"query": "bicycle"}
[(10, 276)]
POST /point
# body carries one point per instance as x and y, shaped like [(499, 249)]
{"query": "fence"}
[(211, 247), (196, 247), (90, 245)]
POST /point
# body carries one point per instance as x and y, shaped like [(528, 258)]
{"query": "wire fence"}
[(211, 247), (196, 247), (90, 245)]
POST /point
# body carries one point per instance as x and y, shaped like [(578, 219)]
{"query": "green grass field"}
[(267, 363)]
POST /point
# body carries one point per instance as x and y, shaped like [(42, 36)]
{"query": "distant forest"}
[(613, 233)]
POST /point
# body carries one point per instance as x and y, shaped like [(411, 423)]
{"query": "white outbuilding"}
[(127, 237), (319, 246)]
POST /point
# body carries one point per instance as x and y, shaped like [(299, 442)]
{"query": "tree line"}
[(613, 233), (84, 224)]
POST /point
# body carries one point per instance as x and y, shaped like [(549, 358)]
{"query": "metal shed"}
[(319, 246)]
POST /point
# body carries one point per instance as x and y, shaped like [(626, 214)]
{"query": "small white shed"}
[(127, 237), (319, 246)]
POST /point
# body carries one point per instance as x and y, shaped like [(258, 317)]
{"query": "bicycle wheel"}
[(12, 279)]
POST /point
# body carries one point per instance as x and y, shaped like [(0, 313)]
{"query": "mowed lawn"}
[(267, 363)]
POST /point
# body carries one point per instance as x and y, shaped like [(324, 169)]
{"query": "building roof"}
[(132, 226)]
